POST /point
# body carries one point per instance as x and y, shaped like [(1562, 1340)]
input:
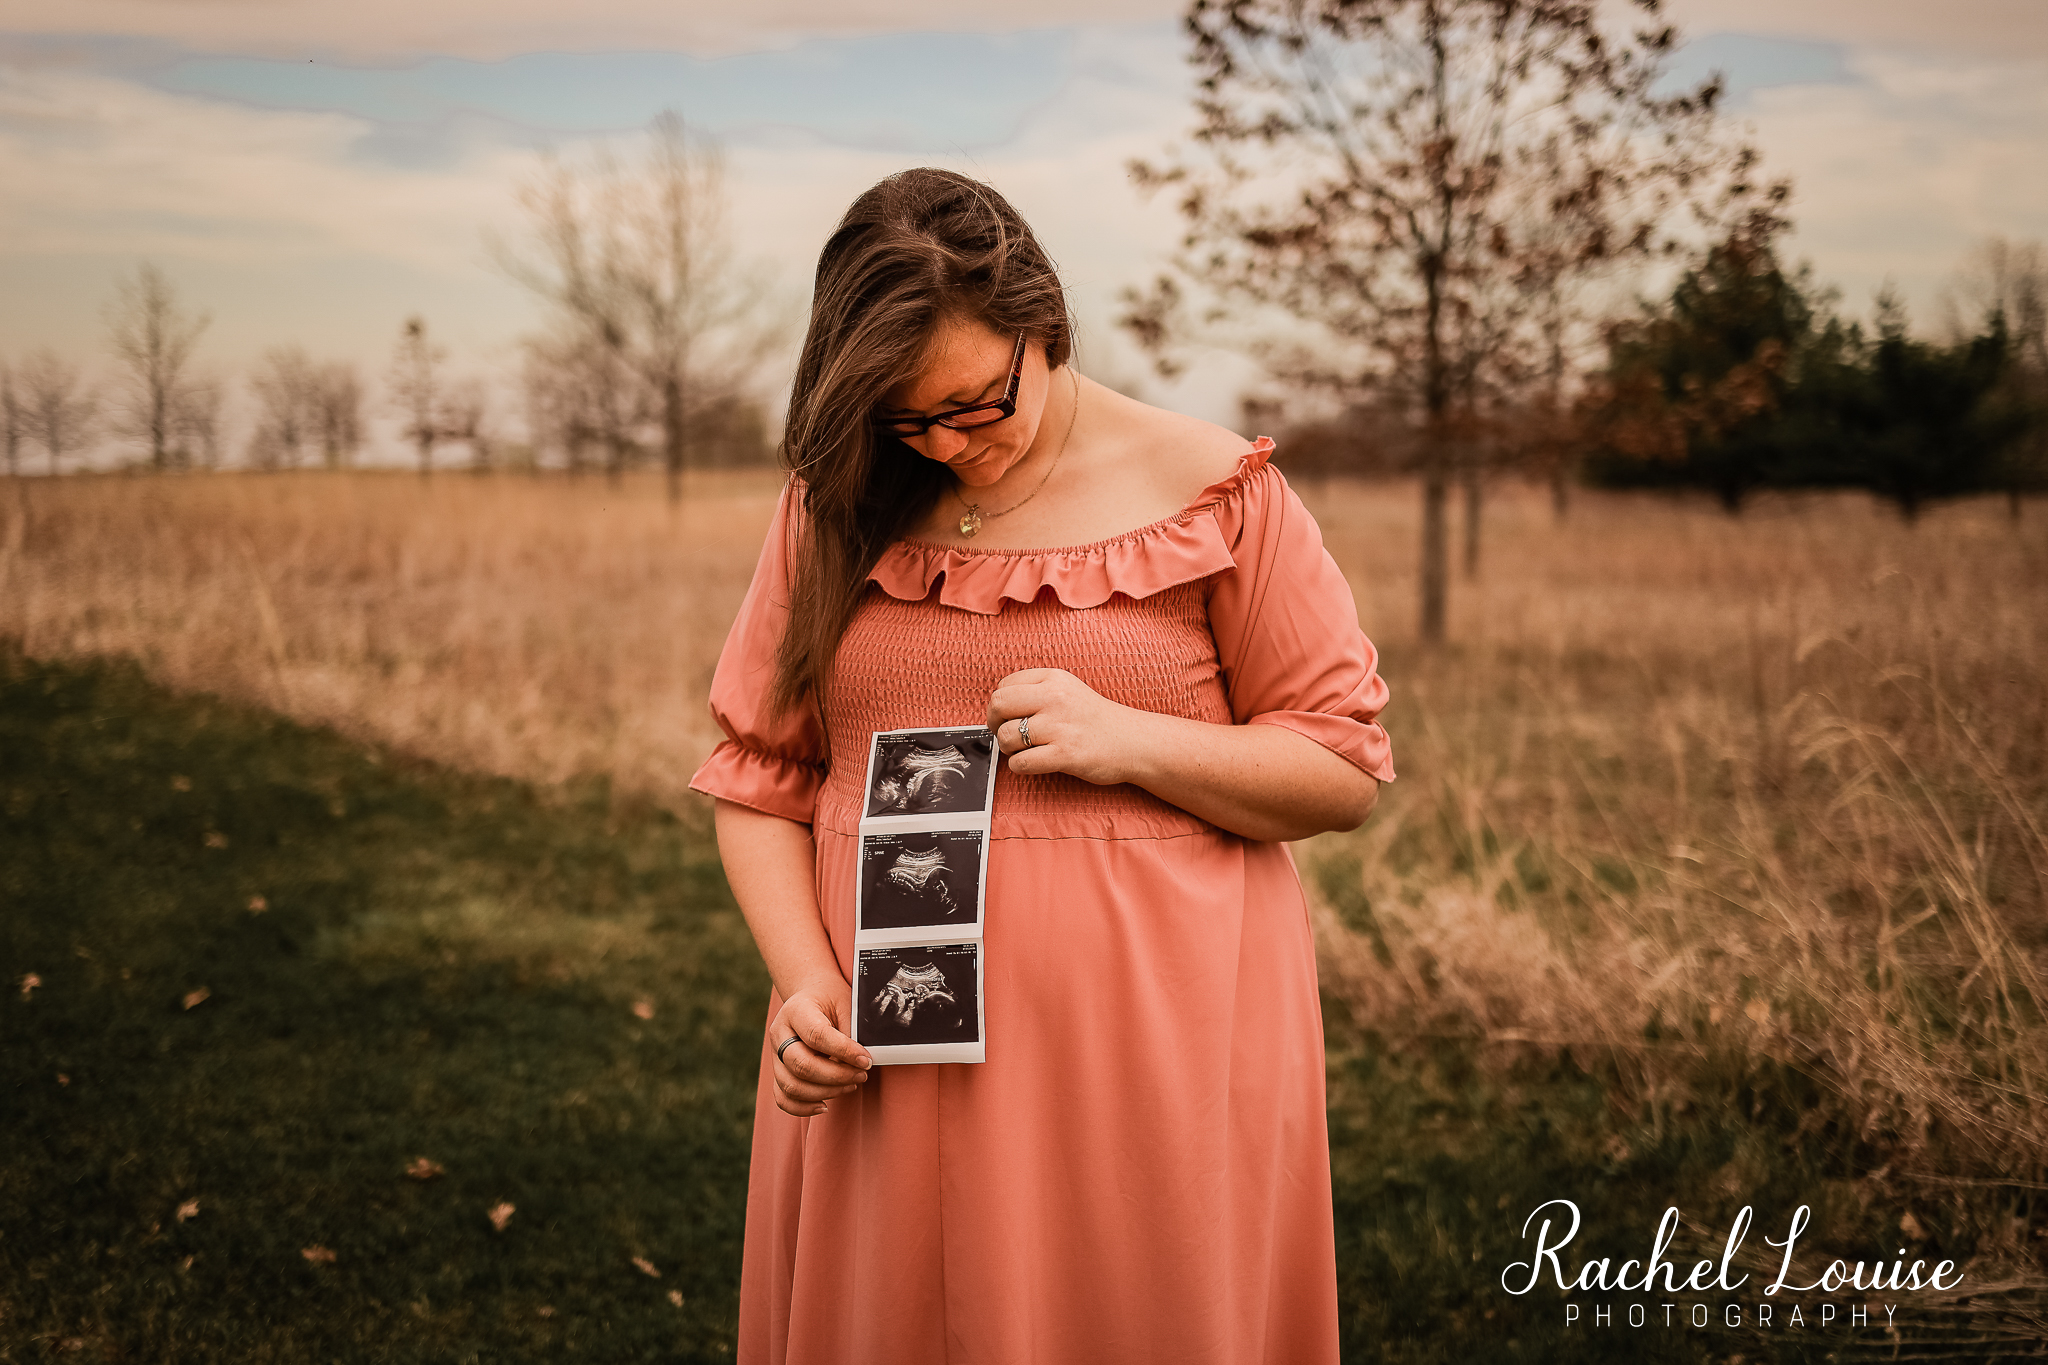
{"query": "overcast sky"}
[(314, 172)]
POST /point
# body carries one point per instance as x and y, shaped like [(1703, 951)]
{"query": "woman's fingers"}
[(1027, 676), (1010, 733), (814, 1060), (804, 1080), (821, 1035), (1011, 702)]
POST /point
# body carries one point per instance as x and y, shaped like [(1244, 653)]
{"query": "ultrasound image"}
[(938, 772), (919, 995)]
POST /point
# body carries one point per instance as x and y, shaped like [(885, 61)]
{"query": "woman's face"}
[(969, 363)]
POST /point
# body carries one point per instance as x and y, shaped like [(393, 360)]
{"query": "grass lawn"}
[(275, 968), (444, 966)]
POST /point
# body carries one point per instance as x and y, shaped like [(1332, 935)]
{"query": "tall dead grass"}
[(1745, 812), (541, 628)]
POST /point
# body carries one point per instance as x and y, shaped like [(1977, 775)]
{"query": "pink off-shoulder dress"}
[(1140, 1170)]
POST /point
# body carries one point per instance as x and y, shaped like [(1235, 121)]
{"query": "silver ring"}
[(793, 1038), (1024, 731)]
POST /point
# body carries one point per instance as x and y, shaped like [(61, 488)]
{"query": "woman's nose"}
[(943, 443)]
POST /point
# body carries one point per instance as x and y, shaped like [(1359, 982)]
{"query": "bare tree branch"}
[(153, 338), (415, 385), (655, 327), (60, 409)]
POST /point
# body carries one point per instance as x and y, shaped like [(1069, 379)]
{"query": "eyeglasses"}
[(974, 415)]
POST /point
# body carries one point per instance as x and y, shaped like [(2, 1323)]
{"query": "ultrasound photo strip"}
[(920, 892)]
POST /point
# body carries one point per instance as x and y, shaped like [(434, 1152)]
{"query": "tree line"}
[(652, 339), (1748, 378)]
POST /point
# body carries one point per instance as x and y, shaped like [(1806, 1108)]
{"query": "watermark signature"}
[(1657, 1276)]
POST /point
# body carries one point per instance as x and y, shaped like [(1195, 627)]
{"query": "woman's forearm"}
[(1260, 781), (771, 864)]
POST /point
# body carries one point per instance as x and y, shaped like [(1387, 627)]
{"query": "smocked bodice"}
[(1154, 654)]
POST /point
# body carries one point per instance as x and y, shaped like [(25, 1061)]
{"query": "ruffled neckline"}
[(1177, 549)]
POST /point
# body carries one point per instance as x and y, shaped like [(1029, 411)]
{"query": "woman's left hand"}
[(1073, 728)]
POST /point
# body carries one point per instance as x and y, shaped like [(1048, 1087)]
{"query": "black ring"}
[(793, 1038)]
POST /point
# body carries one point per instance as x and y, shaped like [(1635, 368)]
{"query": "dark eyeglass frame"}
[(1007, 405)]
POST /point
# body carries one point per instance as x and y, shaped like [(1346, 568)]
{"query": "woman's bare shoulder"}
[(1179, 455)]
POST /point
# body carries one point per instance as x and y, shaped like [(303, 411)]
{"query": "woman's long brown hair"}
[(920, 246)]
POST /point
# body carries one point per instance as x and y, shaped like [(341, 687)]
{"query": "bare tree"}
[(554, 416), (336, 401), (1383, 173), (197, 423), (416, 388), (59, 407), (13, 420), (153, 338), (652, 315), (2005, 283), (285, 386), (2007, 279), (465, 417)]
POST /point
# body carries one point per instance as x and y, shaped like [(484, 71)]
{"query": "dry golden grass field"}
[(1742, 812)]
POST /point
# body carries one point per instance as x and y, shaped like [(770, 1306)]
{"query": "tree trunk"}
[(672, 428), (1435, 565), (426, 445), (1474, 495), (1560, 494)]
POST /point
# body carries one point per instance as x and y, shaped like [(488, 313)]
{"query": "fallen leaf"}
[(424, 1168), (1716, 1013), (181, 784), (675, 1296), (646, 1266), (501, 1214), (257, 905), (546, 1310), (188, 1263), (215, 839), (318, 1255), (29, 984), (188, 1209), (198, 997), (643, 1009), (63, 1079), (1758, 1010), (1910, 1225)]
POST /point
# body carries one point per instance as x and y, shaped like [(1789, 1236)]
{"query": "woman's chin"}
[(979, 473)]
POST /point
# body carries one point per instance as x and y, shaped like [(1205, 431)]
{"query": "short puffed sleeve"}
[(772, 763), (1287, 630)]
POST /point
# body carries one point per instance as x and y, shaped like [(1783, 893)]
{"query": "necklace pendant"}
[(970, 523)]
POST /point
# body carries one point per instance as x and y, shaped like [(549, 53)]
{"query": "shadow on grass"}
[(439, 966)]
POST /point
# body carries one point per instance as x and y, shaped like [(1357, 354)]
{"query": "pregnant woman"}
[(1134, 601)]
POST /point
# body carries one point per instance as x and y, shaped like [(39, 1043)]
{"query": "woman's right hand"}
[(826, 1063)]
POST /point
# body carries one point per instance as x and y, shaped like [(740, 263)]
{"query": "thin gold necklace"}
[(971, 522)]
